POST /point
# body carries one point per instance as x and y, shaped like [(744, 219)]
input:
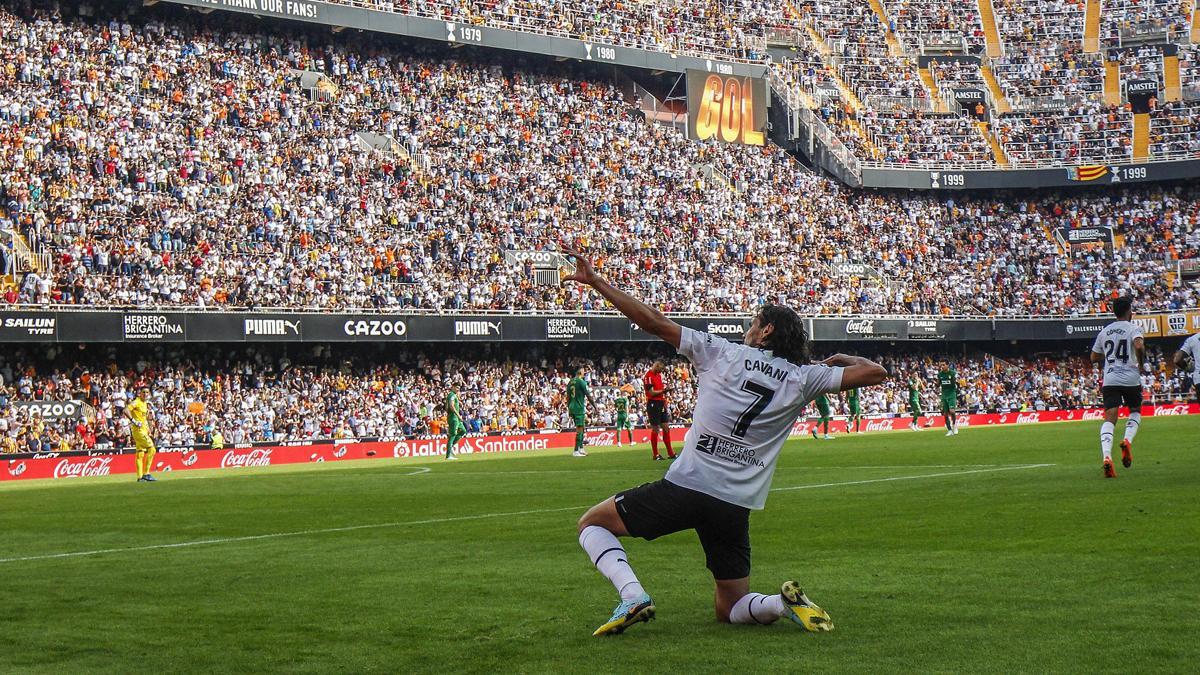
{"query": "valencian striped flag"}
[(1087, 172)]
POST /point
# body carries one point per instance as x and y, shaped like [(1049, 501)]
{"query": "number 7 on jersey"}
[(762, 399)]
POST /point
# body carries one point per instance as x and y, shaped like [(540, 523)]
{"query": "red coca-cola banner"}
[(55, 466)]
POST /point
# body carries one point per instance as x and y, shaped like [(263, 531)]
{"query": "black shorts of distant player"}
[(1115, 397), (656, 413)]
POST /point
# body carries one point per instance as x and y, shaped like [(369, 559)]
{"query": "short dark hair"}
[(788, 339), (1122, 306)]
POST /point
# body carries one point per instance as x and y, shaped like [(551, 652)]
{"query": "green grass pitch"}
[(999, 550)]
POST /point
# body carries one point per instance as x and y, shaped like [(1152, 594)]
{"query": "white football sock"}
[(757, 608), (1106, 437), (1131, 427), (607, 554)]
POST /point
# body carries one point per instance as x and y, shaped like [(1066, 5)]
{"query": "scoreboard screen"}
[(729, 108)]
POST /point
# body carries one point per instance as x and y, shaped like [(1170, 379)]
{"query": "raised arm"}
[(857, 371), (646, 317)]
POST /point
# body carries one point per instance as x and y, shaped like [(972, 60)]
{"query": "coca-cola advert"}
[(246, 458)]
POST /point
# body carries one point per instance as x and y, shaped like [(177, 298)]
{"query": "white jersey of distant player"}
[(1115, 345), (746, 404), (1191, 347)]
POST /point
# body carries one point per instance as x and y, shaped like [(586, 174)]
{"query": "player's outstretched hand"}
[(584, 272), (840, 360)]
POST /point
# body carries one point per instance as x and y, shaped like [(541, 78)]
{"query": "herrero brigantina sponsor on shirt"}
[(728, 451)]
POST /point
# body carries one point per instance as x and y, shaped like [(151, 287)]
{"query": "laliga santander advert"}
[(55, 466)]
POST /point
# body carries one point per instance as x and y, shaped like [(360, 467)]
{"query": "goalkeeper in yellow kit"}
[(138, 413)]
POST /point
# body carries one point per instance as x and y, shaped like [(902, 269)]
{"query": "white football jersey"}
[(1191, 346), (747, 401), (1115, 344)]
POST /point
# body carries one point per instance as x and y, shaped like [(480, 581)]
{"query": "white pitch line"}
[(481, 516), (925, 475), (280, 535), (455, 474)]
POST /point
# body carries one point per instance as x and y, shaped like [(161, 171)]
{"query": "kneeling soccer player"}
[(748, 397)]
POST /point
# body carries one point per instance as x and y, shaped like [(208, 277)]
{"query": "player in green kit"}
[(822, 402), (455, 431), (948, 381), (622, 404), (914, 401), (852, 402), (577, 395)]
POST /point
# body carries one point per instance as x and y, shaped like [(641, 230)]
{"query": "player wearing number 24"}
[(1120, 351), (749, 396)]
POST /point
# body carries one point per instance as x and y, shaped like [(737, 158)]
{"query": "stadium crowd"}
[(1068, 136), (924, 22), (246, 394), (1042, 64), (1043, 58), (262, 394), (184, 164)]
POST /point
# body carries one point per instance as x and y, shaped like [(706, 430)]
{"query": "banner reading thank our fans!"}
[(97, 464)]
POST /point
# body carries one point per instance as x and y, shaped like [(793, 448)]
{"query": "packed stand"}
[(922, 139), (1189, 71), (206, 396), (990, 383), (1043, 59), (858, 41), (950, 75), (1083, 134), (1175, 130), (1039, 22), (812, 80), (223, 184), (1139, 63), (920, 22), (250, 394), (692, 27), (1126, 18)]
